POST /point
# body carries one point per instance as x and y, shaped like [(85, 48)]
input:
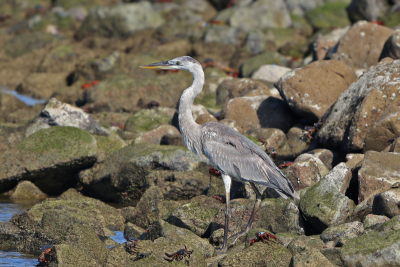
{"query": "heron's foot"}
[(240, 234), (222, 250)]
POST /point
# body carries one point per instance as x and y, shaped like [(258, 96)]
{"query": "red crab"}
[(221, 199), (179, 255), (214, 172), (132, 244), (285, 164), (47, 252), (262, 236)]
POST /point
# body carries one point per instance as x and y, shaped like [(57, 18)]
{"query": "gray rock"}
[(305, 243), (359, 107), (325, 155), (391, 48), (27, 190), (387, 203), (252, 64), (367, 10), (310, 258), (119, 20), (341, 233), (154, 136), (270, 14), (149, 119), (225, 35), (270, 73), (390, 225), (373, 221), (324, 204), (56, 113)]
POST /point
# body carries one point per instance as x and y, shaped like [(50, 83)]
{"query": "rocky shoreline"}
[(314, 83)]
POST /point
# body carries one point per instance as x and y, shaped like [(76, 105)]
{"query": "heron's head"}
[(179, 63)]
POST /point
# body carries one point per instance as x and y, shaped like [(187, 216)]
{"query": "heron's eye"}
[(178, 63)]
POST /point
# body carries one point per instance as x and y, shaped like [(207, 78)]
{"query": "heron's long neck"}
[(190, 130)]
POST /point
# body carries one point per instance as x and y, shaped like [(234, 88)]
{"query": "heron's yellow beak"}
[(158, 65)]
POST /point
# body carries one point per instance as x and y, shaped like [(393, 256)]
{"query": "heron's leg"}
[(227, 182), (256, 205)]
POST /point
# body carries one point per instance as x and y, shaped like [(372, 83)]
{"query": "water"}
[(18, 259), (30, 101), (9, 207), (118, 237)]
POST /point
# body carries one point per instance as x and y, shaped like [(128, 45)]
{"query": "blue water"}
[(14, 258), (10, 207), (30, 101), (118, 237)]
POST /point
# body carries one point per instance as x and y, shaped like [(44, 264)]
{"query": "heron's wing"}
[(237, 156)]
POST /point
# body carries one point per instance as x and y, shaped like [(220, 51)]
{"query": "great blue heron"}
[(233, 154)]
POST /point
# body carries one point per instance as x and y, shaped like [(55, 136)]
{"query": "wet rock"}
[(302, 93), (387, 203), (155, 136), (361, 46), (325, 155), (272, 14), (153, 254), (359, 107), (172, 140), (331, 14), (124, 172), (340, 234), (306, 171), (270, 73), (386, 127), (252, 64), (197, 215), (59, 153), (149, 119), (57, 113), (324, 204), (365, 10), (252, 113), (230, 89), (179, 185), (374, 221), (390, 48), (27, 190), (259, 254), (372, 249), (379, 171), (119, 21), (174, 234), (9, 234)]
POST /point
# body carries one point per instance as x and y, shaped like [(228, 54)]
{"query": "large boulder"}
[(324, 204), (341, 233), (254, 112), (120, 20), (391, 49), (379, 171), (362, 45), (301, 88), (50, 158), (359, 107), (387, 203), (270, 73), (149, 119)]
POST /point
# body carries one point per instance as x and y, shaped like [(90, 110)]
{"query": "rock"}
[(306, 171), (312, 258), (41, 85), (353, 159), (174, 234), (119, 21), (10, 135), (9, 104), (365, 10), (252, 64), (300, 88), (324, 204), (24, 43), (27, 190), (300, 7), (386, 127), (362, 45), (364, 250), (172, 140), (224, 34), (56, 113), (252, 113), (106, 145), (387, 203), (124, 172), (259, 254), (149, 119), (324, 45), (98, 68), (272, 14), (379, 171), (390, 48), (342, 233), (374, 221), (155, 136), (179, 185), (153, 254), (325, 155), (305, 243), (359, 107), (390, 225), (134, 231), (197, 215), (270, 73), (274, 137), (230, 89), (331, 14), (51, 158)]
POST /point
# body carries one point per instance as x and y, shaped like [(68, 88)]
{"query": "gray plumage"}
[(233, 154)]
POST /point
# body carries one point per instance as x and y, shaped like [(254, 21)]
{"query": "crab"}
[(285, 164), (213, 172), (262, 236), (312, 130), (152, 104), (47, 252), (221, 199), (132, 244), (179, 255)]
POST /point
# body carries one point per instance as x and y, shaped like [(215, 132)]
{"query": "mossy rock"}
[(26, 42), (106, 145), (254, 63), (391, 20), (332, 14), (148, 119)]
